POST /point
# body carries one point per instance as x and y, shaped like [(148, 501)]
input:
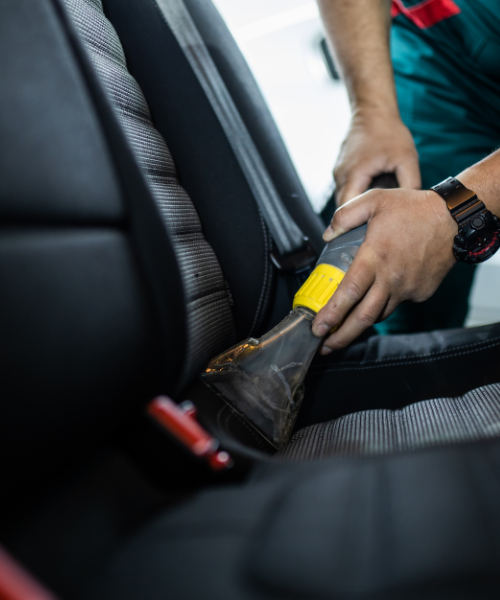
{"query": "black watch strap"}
[(461, 202)]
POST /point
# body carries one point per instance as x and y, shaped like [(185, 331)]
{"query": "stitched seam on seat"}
[(403, 362), (266, 287), (431, 354)]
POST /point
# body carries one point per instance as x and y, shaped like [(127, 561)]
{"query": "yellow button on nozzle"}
[(319, 287)]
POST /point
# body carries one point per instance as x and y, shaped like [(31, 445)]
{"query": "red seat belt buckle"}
[(180, 421), (17, 584)]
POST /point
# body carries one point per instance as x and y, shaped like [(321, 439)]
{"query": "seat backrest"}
[(205, 161), (209, 319), (79, 330), (111, 289)]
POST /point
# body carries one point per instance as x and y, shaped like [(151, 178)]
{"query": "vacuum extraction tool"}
[(262, 379)]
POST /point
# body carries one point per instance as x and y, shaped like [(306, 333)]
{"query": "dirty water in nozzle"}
[(262, 378)]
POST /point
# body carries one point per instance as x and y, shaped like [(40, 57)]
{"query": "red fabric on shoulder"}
[(395, 10), (427, 13)]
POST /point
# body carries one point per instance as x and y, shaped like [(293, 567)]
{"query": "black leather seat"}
[(121, 275)]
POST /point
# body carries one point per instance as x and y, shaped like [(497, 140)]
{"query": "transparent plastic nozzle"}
[(262, 379)]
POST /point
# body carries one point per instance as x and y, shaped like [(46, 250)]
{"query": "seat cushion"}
[(414, 526), (473, 416), (391, 372), (392, 394)]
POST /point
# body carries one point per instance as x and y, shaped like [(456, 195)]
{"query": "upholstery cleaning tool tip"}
[(263, 379)]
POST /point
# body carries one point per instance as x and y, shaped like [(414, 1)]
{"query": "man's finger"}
[(363, 316), (353, 214), (354, 186), (391, 306), (352, 289)]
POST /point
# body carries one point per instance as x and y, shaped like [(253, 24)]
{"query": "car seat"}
[(132, 250)]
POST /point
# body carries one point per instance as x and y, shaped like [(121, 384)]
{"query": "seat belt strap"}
[(286, 234)]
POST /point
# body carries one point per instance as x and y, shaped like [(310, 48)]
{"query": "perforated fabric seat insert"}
[(471, 417), (209, 319)]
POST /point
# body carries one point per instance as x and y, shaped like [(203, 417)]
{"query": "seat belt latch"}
[(180, 421), (297, 262)]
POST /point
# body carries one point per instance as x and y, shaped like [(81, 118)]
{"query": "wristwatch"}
[(478, 229)]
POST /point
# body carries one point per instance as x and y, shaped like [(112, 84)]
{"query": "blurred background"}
[(283, 42)]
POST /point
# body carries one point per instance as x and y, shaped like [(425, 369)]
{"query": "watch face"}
[(478, 239)]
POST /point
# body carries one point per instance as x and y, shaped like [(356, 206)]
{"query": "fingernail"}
[(328, 235), (321, 330), (325, 350)]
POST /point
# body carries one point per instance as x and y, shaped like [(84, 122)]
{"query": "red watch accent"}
[(479, 255)]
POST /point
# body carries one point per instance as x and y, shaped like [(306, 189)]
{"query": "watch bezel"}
[(463, 240)]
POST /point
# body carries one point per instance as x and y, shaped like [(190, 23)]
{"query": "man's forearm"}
[(358, 33)]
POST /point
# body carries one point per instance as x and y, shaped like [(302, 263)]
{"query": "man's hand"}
[(405, 256), (377, 142)]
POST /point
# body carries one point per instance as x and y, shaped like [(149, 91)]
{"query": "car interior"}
[(151, 219)]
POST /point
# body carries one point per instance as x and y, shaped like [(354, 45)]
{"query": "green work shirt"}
[(448, 83)]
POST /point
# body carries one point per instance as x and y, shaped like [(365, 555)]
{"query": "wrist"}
[(447, 224), (371, 111), (380, 100)]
